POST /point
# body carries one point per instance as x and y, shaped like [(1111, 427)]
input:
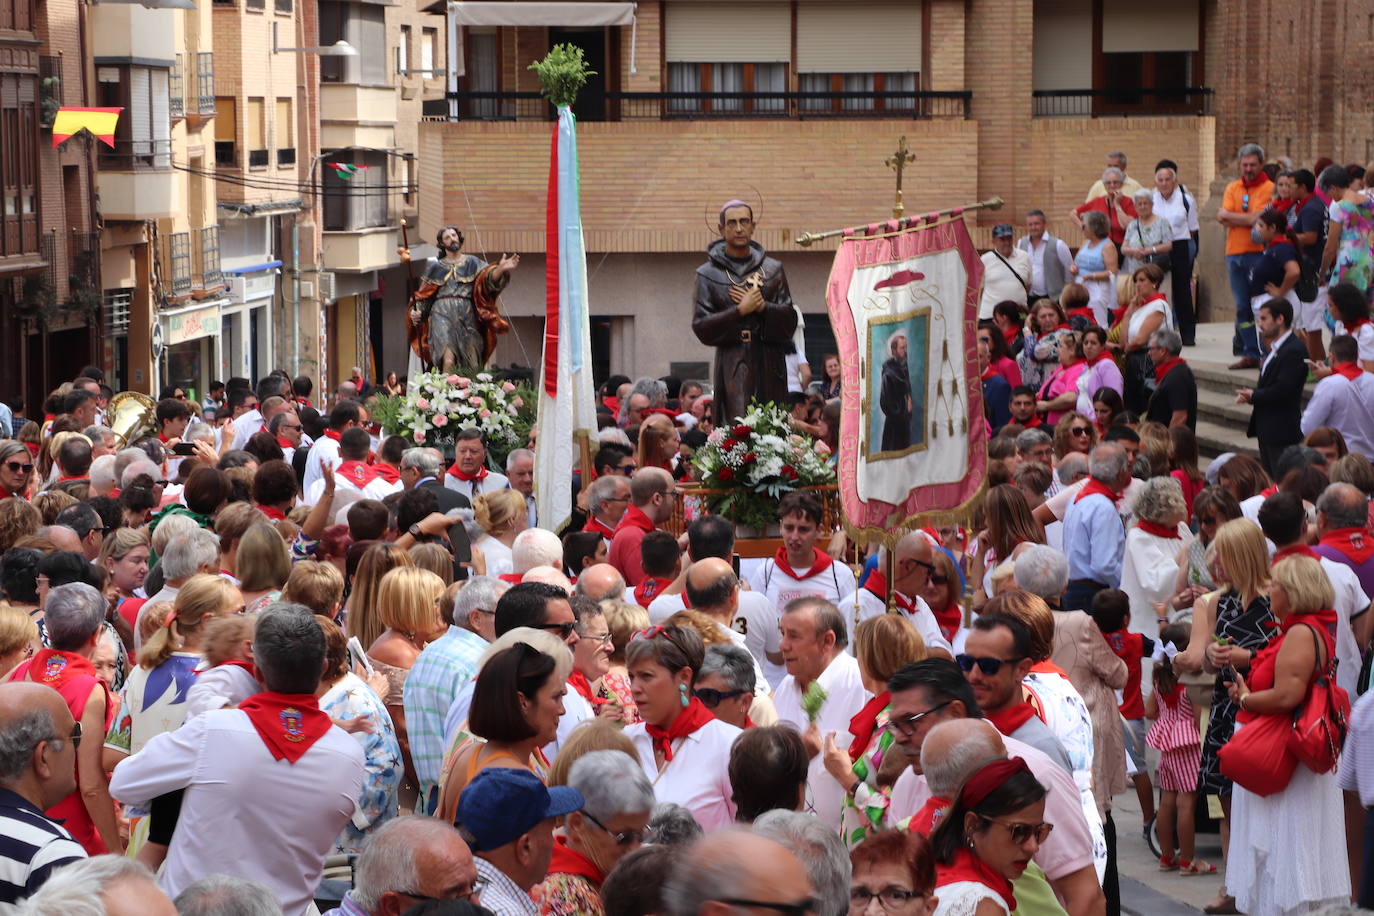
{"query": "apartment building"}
[(49, 248)]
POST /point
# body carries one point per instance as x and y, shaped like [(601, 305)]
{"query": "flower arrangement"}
[(755, 461), (438, 404)]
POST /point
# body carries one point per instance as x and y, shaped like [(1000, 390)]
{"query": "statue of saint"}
[(743, 309), (454, 316)]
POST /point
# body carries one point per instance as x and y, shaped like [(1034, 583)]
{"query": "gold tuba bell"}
[(132, 415)]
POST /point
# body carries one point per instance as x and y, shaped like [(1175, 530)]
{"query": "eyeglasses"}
[(1080, 430), (478, 885), (908, 725), (1022, 832), (800, 908), (988, 666), (15, 467), (891, 898), (74, 737), (564, 630), (938, 579), (604, 639), (711, 698), (622, 838)]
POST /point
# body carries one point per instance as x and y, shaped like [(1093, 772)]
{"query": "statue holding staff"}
[(454, 317)]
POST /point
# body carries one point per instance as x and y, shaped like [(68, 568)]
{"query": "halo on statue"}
[(710, 215)]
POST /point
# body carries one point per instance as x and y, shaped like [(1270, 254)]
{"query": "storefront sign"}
[(192, 325)]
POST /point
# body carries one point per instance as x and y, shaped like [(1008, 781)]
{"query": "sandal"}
[(1168, 863), (1223, 905), (1195, 867)]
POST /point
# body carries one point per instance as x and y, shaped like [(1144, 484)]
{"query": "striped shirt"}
[(434, 680), (501, 895), (31, 846)]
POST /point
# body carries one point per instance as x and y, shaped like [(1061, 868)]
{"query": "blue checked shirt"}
[(433, 682)]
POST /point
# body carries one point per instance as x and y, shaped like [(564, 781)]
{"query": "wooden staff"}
[(806, 239)]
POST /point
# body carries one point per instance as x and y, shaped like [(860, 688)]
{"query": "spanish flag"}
[(99, 121)]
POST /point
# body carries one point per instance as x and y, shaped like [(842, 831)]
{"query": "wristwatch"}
[(415, 531)]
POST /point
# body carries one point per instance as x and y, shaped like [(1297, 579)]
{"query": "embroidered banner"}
[(913, 443)]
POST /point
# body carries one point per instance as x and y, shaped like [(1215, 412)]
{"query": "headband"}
[(989, 778)]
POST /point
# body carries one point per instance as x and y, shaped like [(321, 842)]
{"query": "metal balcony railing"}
[(49, 87), (131, 155), (634, 106), (205, 82), (1121, 102)]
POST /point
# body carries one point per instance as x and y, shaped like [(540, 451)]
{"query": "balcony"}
[(130, 155), (49, 87), (136, 180), (207, 266), (361, 250), (132, 31), (357, 116), (665, 106), (1121, 102), (175, 267)]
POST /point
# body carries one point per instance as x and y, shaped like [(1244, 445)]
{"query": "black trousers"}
[(1111, 884), (1181, 276), (1270, 452)]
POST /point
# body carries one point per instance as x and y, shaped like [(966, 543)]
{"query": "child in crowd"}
[(1175, 735), (228, 676), (662, 561), (1111, 609)]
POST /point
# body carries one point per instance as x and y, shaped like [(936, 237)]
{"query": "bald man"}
[(601, 582), (37, 730), (734, 864), (653, 495), (712, 588), (913, 563)]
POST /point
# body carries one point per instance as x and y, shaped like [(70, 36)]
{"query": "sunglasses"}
[(908, 725), (1022, 832), (1245, 202), (712, 698), (15, 467), (651, 632), (564, 630), (1080, 431), (622, 838), (988, 666), (939, 579), (802, 907)]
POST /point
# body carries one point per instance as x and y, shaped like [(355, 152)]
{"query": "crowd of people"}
[(317, 669)]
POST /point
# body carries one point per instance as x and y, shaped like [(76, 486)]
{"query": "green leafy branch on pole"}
[(563, 73)]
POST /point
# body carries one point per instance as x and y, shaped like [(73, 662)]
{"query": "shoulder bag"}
[(1321, 722)]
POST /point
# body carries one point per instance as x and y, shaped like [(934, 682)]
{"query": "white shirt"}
[(1351, 602), (1249, 508), (244, 813), (377, 489), (845, 696), (326, 448), (474, 488), (1037, 265), (833, 583), (756, 625), (923, 618), (1274, 348), (497, 555), (1356, 770), (698, 777), (576, 710), (245, 426), (1149, 571), (1344, 404), (999, 283), (1182, 222)]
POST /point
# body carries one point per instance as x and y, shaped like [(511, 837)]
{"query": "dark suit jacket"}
[(1277, 398), (448, 499)]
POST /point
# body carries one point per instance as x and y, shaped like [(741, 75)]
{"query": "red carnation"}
[(741, 430), (726, 475), (749, 458), (789, 472), (729, 444)]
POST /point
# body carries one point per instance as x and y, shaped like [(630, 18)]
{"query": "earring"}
[(682, 694)]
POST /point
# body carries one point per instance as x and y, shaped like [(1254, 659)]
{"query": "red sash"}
[(272, 512), (1354, 543), (968, 867), (332, 434), (1158, 530), (820, 563), (949, 621), (1163, 368), (387, 472), (1096, 486), (578, 681), (285, 443), (466, 477), (568, 861), (56, 668), (865, 723), (649, 589), (358, 473), (691, 719), (288, 723), (1013, 717)]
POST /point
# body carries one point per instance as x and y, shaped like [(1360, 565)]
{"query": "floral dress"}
[(1039, 357), (864, 811), (351, 698), (1248, 628), (615, 687), (1354, 260)]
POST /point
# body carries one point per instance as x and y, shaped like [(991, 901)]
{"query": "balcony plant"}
[(438, 404)]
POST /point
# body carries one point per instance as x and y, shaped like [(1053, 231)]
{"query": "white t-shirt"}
[(870, 605), (833, 583), (999, 283)]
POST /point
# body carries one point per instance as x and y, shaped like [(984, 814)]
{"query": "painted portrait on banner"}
[(898, 345)]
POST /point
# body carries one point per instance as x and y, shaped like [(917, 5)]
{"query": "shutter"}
[(859, 36), (371, 28), (741, 32), (1063, 37), (285, 128), (140, 112), (1161, 25), (160, 112), (253, 125)]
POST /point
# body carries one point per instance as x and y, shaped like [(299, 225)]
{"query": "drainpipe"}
[(295, 296)]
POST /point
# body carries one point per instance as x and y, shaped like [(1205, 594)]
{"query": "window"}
[(255, 133), (208, 247), (358, 201), (727, 77), (205, 82), (284, 6), (363, 25), (18, 164), (179, 262), (143, 133), (403, 51), (286, 132), (176, 87), (874, 87), (428, 48), (226, 132), (16, 15), (740, 47)]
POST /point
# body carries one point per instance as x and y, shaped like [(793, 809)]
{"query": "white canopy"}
[(517, 13)]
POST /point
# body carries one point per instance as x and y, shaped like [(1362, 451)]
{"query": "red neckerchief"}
[(820, 563), (568, 861), (650, 588), (1099, 358), (1278, 240), (968, 867), (578, 681), (988, 373), (33, 448), (1296, 550), (612, 404), (304, 402), (597, 525), (903, 602), (272, 512), (1030, 423), (692, 718), (1269, 491), (865, 723), (1061, 326), (634, 517), (1349, 370), (285, 443), (928, 818), (288, 723), (465, 476), (1260, 179), (1283, 206), (332, 434), (1165, 368), (386, 472), (1302, 203), (876, 585), (240, 663), (164, 439), (1096, 486), (748, 722), (1045, 666), (358, 473), (1352, 328), (1158, 530), (1013, 717), (66, 477), (6, 494), (1354, 543), (55, 667), (512, 578), (949, 621)]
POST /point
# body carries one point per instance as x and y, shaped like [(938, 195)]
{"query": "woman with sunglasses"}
[(892, 872), (1074, 433), (1213, 507), (883, 645), (611, 824), (944, 594), (987, 838), (16, 469), (684, 749)]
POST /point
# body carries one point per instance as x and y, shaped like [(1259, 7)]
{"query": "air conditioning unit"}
[(327, 286), (237, 287)]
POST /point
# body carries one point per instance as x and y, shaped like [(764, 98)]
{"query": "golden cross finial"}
[(897, 162)]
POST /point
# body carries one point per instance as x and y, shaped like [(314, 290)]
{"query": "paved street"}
[(1145, 890)]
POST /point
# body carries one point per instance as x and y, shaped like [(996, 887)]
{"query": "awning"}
[(568, 15)]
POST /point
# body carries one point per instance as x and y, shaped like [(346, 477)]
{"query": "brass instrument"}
[(132, 415)]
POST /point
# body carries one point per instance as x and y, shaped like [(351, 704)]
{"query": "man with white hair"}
[(1094, 538), (535, 547), (103, 440), (1129, 186), (421, 469), (439, 670), (607, 499), (820, 852), (226, 895), (103, 475), (189, 553), (1042, 570), (107, 885), (520, 473), (407, 861), (736, 864), (1114, 202)]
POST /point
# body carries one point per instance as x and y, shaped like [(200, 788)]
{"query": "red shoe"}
[(1195, 867), (1168, 863)]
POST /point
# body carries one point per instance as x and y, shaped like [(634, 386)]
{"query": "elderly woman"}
[(1039, 355), (1285, 855), (1149, 239), (1094, 265), (683, 748), (1147, 312), (611, 824), (882, 646), (75, 617), (777, 750), (894, 869), (1149, 568), (502, 515), (1099, 372), (1113, 205), (624, 619), (1059, 391)]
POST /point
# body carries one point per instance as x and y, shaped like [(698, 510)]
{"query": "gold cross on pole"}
[(897, 162)]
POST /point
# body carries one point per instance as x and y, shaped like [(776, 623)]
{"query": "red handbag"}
[(1321, 722), (1257, 757)]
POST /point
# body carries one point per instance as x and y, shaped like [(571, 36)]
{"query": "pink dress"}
[(1174, 734), (1063, 379)]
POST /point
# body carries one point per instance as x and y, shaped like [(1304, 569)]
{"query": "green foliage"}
[(563, 73), (812, 701)]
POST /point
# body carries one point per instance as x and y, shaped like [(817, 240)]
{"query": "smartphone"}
[(734, 562), (184, 448), (355, 649)]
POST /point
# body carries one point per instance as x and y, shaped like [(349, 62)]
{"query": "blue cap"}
[(502, 804)]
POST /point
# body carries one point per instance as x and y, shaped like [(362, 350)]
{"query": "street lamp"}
[(339, 48)]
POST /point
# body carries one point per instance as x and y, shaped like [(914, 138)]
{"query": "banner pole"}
[(807, 239)]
